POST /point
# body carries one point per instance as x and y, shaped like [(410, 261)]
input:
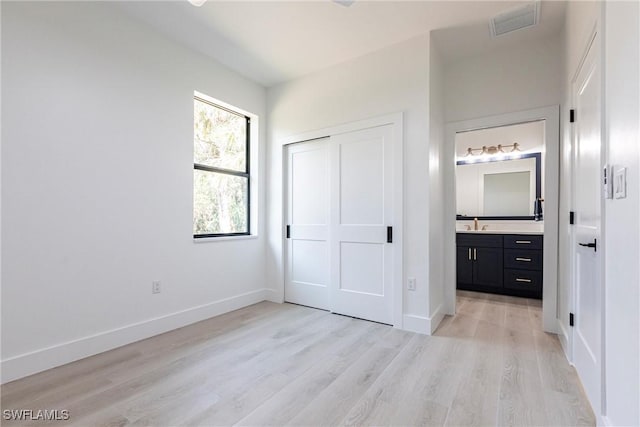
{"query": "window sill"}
[(224, 238)]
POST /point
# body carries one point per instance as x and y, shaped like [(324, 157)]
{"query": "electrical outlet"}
[(155, 287), (411, 284)]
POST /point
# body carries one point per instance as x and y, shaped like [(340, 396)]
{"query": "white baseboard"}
[(421, 324), (36, 361), (435, 319), (274, 296), (563, 337), (413, 323)]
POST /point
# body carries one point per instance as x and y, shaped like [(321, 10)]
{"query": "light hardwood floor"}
[(282, 364)]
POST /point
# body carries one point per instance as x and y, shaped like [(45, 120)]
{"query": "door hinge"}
[(572, 217), (288, 231), (389, 234), (570, 319), (572, 116)]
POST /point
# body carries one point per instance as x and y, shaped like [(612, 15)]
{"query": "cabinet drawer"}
[(523, 280), (522, 259), (522, 241), (479, 240)]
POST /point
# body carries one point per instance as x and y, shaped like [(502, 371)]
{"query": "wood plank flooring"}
[(282, 364)]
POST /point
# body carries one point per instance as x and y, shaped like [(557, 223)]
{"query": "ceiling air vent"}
[(522, 17)]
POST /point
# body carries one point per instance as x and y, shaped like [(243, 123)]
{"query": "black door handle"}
[(590, 245)]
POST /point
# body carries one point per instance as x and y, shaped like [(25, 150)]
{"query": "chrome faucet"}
[(475, 224)]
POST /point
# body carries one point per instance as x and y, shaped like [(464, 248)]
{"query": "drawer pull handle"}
[(469, 254), (524, 259), (523, 280), (523, 242)]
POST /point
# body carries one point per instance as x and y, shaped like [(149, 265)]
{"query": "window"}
[(220, 171)]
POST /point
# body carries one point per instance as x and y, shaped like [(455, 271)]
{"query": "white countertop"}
[(489, 231)]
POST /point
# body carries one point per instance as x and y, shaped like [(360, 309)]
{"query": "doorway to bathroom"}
[(502, 224)]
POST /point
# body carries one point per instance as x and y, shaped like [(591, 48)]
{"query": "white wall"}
[(503, 81), (436, 186), (97, 186), (394, 79), (622, 276)]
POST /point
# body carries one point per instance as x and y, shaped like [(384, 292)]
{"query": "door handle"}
[(475, 254), (523, 280), (469, 254), (524, 259), (591, 245), (389, 234)]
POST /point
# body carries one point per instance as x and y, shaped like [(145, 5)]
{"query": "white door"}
[(307, 216), (588, 259), (362, 186)]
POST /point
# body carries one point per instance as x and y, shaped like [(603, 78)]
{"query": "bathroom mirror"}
[(498, 177)]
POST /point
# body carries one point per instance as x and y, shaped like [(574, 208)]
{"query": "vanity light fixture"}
[(492, 149)]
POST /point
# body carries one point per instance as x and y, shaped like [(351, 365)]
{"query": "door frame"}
[(395, 120), (551, 196)]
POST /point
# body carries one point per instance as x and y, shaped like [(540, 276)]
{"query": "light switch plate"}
[(620, 183)]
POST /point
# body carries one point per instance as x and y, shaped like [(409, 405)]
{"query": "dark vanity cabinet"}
[(479, 261), (507, 264)]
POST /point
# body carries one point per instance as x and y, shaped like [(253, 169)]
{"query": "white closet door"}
[(361, 210), (307, 257)]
